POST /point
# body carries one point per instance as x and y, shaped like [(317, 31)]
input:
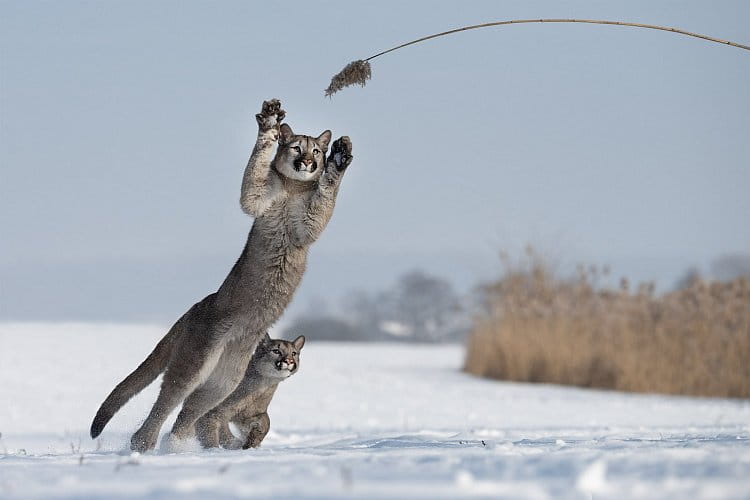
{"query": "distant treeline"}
[(419, 307)]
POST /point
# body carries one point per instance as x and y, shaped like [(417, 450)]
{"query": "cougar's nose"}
[(307, 161)]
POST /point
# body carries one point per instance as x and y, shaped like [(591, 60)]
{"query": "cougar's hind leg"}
[(213, 431), (171, 395), (208, 402), (209, 425), (196, 406), (193, 360)]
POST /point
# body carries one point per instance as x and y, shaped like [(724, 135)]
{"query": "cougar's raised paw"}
[(341, 153), (271, 115)]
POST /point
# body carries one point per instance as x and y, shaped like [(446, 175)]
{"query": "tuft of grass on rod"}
[(359, 71), (356, 72)]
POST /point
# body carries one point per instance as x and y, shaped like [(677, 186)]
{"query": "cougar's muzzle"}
[(305, 165)]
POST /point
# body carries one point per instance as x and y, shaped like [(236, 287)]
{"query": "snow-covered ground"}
[(360, 420)]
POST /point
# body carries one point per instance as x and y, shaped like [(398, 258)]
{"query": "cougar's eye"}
[(297, 149), (316, 151), (294, 353), (276, 351)]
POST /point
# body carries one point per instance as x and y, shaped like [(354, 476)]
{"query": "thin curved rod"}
[(587, 21)]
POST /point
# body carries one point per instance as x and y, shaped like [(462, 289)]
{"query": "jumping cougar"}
[(205, 354), (274, 360)]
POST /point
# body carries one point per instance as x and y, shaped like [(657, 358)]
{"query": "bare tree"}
[(728, 267), (366, 312), (688, 279), (418, 308), (426, 305)]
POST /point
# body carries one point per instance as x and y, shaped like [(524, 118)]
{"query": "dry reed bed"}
[(538, 328)]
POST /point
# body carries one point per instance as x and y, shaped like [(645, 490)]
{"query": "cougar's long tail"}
[(134, 383)]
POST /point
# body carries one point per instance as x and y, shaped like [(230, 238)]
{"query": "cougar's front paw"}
[(270, 117), (341, 153), (253, 440)]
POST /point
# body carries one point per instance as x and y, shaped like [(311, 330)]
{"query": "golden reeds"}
[(538, 328)]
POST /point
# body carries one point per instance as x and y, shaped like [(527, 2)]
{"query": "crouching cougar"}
[(274, 361), (205, 354)]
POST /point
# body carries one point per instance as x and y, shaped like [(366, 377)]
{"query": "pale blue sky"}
[(126, 127)]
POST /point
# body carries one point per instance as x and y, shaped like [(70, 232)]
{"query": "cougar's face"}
[(280, 358), (301, 157)]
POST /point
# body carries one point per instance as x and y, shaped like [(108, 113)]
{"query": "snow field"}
[(359, 420)]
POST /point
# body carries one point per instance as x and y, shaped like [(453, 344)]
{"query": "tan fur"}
[(205, 355), (247, 406)]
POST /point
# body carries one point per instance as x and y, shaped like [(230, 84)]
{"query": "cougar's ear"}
[(299, 342), (285, 133), (266, 339), (324, 139)]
